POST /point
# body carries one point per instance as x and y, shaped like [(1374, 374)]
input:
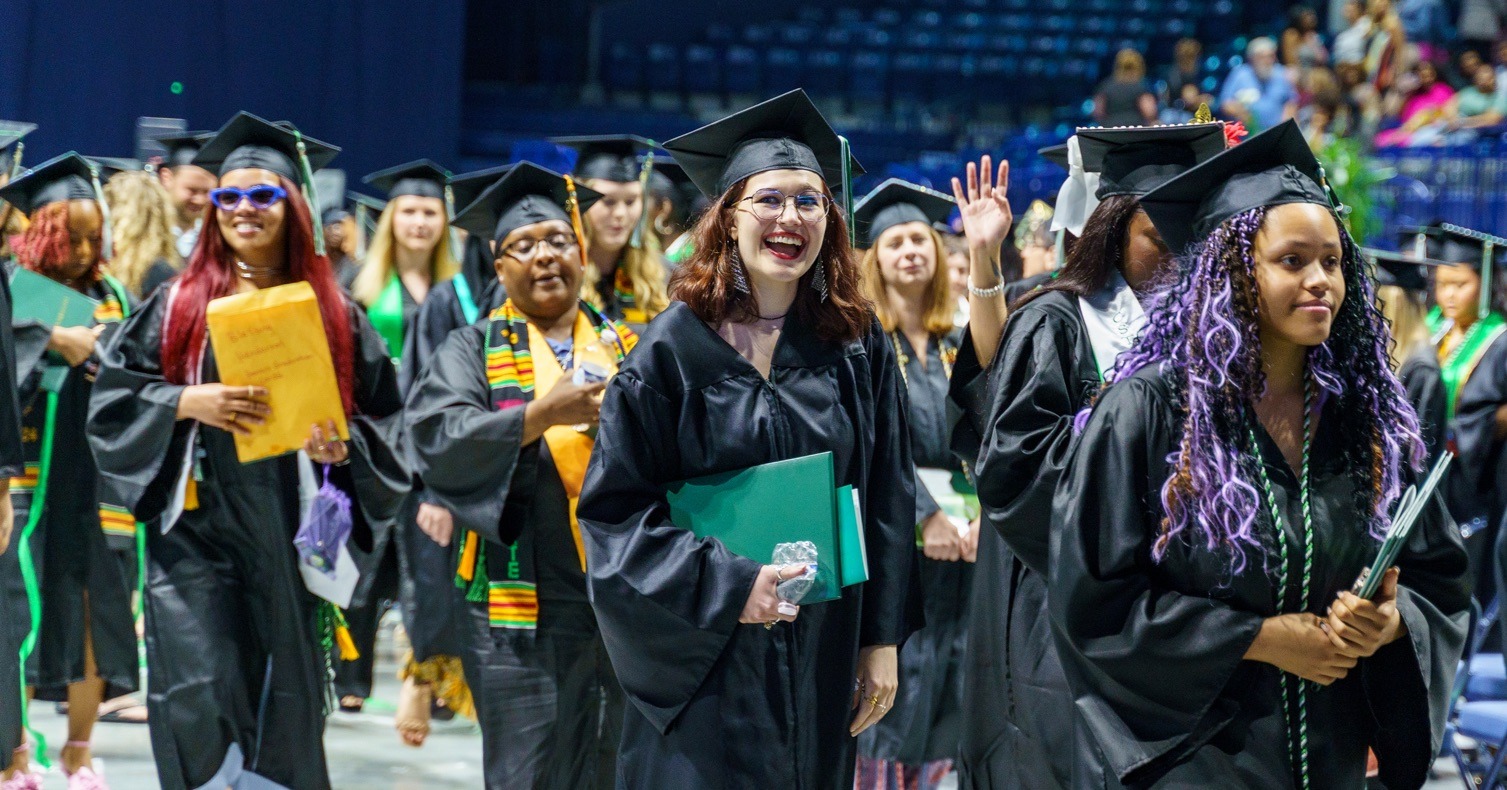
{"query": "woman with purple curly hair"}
[(1227, 491)]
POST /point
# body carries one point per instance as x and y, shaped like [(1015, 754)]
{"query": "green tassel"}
[(310, 192), (847, 190), (480, 590), (636, 241), (107, 244)]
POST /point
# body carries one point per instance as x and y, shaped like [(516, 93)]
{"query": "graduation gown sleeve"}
[(668, 601), (969, 390), (1146, 662), (1030, 428), (1425, 388), (466, 452), (11, 457), (1481, 468), (1408, 683), (891, 596), (378, 466), (139, 443)]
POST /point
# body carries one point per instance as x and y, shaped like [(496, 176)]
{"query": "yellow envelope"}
[(274, 338)]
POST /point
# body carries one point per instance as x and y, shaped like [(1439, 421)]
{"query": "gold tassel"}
[(573, 207), (347, 645), (467, 569)]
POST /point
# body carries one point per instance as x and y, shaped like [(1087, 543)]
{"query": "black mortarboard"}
[(1401, 269), (183, 147), (1273, 168), (1134, 160), (610, 157), (667, 178), (422, 178), (249, 141), (366, 201), (118, 164), (787, 132), (333, 215), (896, 202), (66, 177), (1056, 154), (1454, 245), (528, 194), (465, 188)]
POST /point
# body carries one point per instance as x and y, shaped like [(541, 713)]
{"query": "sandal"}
[(351, 703), (85, 778), (123, 710), (29, 779), (412, 718)]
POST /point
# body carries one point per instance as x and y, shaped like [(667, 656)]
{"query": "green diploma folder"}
[(37, 298), (753, 510)]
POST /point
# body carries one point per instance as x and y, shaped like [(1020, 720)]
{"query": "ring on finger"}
[(769, 626)]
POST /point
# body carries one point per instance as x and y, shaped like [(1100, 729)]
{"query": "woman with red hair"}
[(70, 598), (236, 643)]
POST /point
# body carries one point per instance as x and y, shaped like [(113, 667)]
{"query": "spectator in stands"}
[(1499, 61), (1481, 23), (1302, 46), (1328, 112), (1259, 92), (1479, 105), (1350, 43), (1185, 78), (1426, 23), (1125, 99), (1385, 45), (1427, 100), (1466, 64)]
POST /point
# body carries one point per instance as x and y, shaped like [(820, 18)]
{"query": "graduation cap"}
[(11, 133), (250, 141), (896, 202), (118, 164), (668, 179), (465, 188), (1133, 160), (1401, 269), (333, 214), (787, 132), (1056, 154), (365, 207), (1455, 245), (526, 195), (66, 177), (182, 147), (421, 178), (1273, 168), (610, 157)]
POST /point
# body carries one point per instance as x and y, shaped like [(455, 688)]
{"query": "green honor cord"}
[(1295, 702), (29, 574), (847, 189)]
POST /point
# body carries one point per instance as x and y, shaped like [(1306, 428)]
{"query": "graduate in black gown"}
[(1402, 286), (408, 255), (1058, 343), (71, 594), (770, 352), (627, 278), (238, 647), (501, 433), (1227, 492), (14, 751), (435, 615), (904, 274)]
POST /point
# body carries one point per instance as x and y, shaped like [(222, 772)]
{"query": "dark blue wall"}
[(380, 78)]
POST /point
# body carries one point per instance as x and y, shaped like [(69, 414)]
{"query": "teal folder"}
[(852, 549), (752, 510), (35, 297)]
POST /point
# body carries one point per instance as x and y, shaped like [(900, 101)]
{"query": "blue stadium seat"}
[(909, 73), (744, 71), (783, 70), (797, 35), (1488, 678), (825, 69), (662, 73), (625, 68), (703, 69), (871, 71)]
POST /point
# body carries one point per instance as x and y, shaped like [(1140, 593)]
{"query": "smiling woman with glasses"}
[(771, 353), (503, 419), (234, 639)]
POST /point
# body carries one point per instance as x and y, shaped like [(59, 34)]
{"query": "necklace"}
[(248, 272), (1294, 701), (903, 359)]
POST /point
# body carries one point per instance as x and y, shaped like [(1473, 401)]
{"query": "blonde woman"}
[(1125, 99), (627, 280), (409, 254), (1402, 293), (141, 230), (905, 273)]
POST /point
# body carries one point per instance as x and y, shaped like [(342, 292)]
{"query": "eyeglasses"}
[(262, 197), (527, 249), (768, 204)]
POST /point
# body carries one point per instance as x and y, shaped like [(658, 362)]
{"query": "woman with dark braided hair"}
[(72, 596), (1056, 344), (1226, 493)]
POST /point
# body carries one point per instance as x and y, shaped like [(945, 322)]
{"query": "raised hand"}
[(984, 205)]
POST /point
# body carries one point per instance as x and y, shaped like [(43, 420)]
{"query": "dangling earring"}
[(661, 226), (740, 282), (819, 279)]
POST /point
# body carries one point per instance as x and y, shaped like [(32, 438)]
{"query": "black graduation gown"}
[(1043, 374), (926, 721), (1154, 650), (1480, 472), (160, 272), (1424, 384), (71, 554), (238, 674), (547, 700), (11, 464), (718, 704)]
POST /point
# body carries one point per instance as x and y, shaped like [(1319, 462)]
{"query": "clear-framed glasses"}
[(527, 249), (768, 204)]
